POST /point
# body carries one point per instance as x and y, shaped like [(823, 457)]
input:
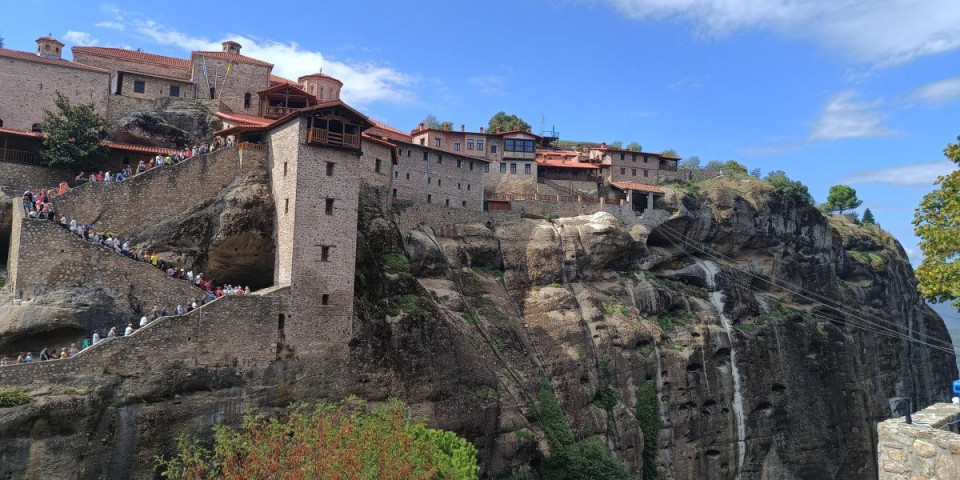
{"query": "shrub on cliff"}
[(791, 189), (12, 397), (937, 222), (72, 135), (327, 441)]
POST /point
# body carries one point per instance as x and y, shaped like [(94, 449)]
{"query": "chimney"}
[(421, 126), (481, 129), (49, 47), (463, 128), (231, 47), (603, 144)]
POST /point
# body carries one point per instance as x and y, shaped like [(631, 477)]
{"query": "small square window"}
[(486, 168), (463, 203), (480, 145), (468, 187), (325, 299), (621, 156), (139, 86), (424, 156), (633, 172), (174, 90), (436, 142), (328, 207), (459, 163), (330, 169), (470, 144), (456, 146), (503, 168), (286, 205), (439, 181), (526, 169), (458, 186), (493, 149), (284, 169), (396, 174), (429, 181), (429, 198), (439, 158), (471, 165), (324, 253), (623, 171), (448, 202), (394, 193), (376, 166), (513, 168), (646, 173), (408, 176)]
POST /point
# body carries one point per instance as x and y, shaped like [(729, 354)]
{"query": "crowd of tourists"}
[(38, 205)]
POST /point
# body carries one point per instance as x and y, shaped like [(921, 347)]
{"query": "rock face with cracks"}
[(772, 337)]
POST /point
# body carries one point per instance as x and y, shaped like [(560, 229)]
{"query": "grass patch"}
[(676, 317), (747, 326), (611, 306), (760, 339), (13, 396), (678, 347), (470, 317), (396, 263), (645, 351), (820, 330), (867, 258), (555, 285), (488, 271), (409, 304), (606, 398)]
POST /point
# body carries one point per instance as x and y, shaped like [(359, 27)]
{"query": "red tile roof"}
[(32, 57), (321, 75), (280, 80), (638, 187), (138, 148), (244, 120), (135, 55), (558, 163), (20, 133), (391, 130), (233, 56)]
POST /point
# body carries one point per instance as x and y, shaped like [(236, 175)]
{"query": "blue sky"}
[(865, 93)]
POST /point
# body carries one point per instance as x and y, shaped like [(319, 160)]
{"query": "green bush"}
[(396, 263), (648, 417), (13, 396), (570, 459), (606, 398)]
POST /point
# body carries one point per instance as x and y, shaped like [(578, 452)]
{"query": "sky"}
[(863, 93)]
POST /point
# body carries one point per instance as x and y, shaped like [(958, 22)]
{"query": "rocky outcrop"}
[(166, 123), (746, 337), (229, 238)]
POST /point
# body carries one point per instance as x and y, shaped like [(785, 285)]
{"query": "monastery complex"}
[(319, 153)]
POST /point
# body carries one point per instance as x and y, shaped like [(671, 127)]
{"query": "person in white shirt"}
[(129, 330), (143, 321), (96, 338)]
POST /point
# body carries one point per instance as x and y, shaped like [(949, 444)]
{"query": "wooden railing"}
[(279, 111), (537, 197), (20, 156), (252, 146), (324, 136)]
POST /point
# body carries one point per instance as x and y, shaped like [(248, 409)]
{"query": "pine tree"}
[(868, 218)]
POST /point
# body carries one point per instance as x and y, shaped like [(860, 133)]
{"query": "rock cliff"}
[(746, 337)]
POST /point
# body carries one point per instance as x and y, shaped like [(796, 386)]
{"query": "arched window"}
[(246, 100), (36, 127)]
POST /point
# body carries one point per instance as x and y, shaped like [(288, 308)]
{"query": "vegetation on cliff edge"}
[(345, 441), (937, 223)]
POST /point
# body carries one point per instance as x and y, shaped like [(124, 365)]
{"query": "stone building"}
[(324, 87), (438, 177), (29, 82), (138, 74), (619, 165), (231, 78)]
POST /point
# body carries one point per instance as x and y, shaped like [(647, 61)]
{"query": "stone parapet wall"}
[(44, 256), (410, 215), (156, 195), (928, 448), (15, 177), (232, 331)]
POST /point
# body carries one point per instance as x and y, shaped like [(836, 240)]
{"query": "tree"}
[(506, 123), (72, 136), (1, 42), (840, 198), (715, 165), (868, 218), (937, 223), (691, 162), (791, 189), (671, 152), (733, 168), (634, 147), (617, 145), (327, 441), (755, 173), (430, 121)]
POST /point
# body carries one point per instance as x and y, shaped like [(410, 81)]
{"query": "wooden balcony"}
[(323, 136), (277, 112), (20, 156)]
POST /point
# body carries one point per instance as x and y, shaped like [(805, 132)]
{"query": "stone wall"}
[(925, 449), (15, 177), (27, 88), (156, 195), (235, 330), (409, 215), (44, 256), (143, 64), (428, 175), (282, 165), (244, 78)]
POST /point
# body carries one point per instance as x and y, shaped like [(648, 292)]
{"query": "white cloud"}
[(79, 38), (111, 25), (939, 92), (845, 117), (363, 82), (686, 83), (885, 32), (489, 84), (918, 174)]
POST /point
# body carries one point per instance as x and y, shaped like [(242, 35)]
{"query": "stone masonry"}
[(45, 256), (432, 176), (153, 196), (927, 449)]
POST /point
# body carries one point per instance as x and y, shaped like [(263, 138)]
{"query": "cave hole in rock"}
[(712, 452), (763, 407), (695, 334), (722, 355), (687, 405), (778, 388), (694, 367)]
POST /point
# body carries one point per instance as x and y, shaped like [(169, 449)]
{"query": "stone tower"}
[(231, 47), (322, 86), (315, 181), (49, 47)]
